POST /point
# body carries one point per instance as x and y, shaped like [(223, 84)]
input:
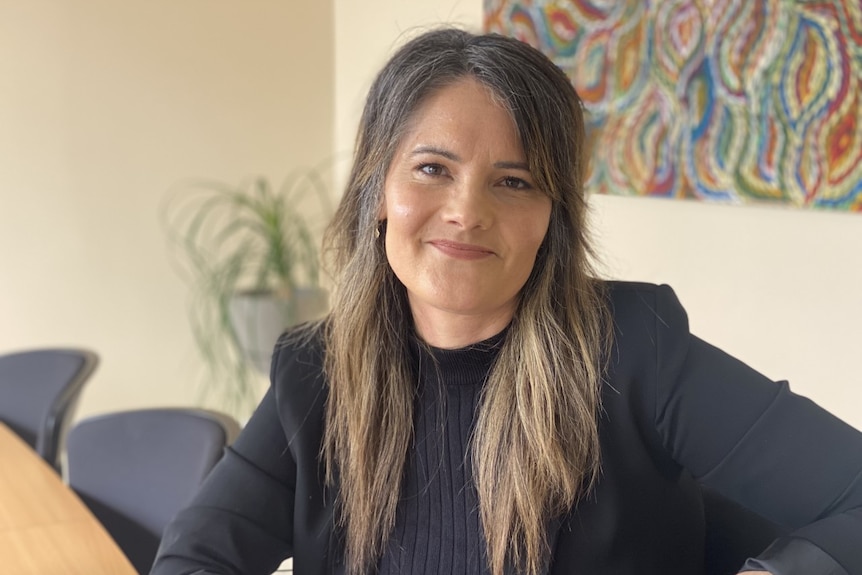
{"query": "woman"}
[(477, 401)]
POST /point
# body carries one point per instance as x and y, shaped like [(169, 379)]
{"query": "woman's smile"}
[(462, 251)]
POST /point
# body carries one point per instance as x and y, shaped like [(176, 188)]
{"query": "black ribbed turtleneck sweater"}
[(437, 525)]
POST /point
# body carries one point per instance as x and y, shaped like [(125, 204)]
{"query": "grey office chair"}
[(733, 533), (136, 469), (39, 391)]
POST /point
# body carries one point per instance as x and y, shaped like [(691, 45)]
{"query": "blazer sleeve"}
[(241, 520), (757, 442)]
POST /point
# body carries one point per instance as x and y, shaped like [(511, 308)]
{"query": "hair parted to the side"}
[(535, 447)]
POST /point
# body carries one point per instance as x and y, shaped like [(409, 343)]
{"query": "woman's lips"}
[(461, 251)]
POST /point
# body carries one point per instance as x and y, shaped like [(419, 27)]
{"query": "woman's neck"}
[(447, 330)]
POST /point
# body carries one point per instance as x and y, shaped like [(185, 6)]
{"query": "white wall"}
[(781, 289), (103, 106)]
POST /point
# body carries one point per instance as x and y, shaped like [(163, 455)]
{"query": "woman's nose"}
[(469, 205)]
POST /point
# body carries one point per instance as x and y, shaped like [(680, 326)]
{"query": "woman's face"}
[(464, 217)]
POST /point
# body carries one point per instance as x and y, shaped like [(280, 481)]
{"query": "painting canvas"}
[(721, 100)]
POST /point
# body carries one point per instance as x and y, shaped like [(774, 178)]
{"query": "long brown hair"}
[(535, 447)]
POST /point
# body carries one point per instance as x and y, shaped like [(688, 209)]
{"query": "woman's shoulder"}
[(625, 289), (307, 336), (298, 355), (297, 378), (631, 297), (645, 315)]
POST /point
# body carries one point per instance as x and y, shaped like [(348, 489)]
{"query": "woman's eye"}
[(431, 169), (515, 183)]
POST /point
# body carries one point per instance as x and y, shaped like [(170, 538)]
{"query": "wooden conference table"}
[(44, 528)]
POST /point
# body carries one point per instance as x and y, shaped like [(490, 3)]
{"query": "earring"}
[(377, 230)]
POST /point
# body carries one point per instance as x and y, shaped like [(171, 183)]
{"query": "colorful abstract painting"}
[(722, 100)]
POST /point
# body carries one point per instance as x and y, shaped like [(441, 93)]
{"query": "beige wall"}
[(103, 106), (780, 289)]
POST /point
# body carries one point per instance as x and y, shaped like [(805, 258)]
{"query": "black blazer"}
[(677, 412)]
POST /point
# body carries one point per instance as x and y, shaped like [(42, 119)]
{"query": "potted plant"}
[(249, 255)]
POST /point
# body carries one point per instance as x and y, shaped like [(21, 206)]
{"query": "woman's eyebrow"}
[(449, 155), (512, 166)]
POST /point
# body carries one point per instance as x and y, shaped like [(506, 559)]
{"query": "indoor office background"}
[(105, 105)]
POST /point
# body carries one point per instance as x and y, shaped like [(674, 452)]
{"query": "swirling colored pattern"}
[(730, 100)]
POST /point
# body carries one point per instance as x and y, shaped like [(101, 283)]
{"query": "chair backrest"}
[(136, 469), (733, 533), (39, 391)]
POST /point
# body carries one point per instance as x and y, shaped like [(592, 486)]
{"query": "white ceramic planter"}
[(259, 317)]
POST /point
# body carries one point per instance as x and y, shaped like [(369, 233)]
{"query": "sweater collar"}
[(468, 365)]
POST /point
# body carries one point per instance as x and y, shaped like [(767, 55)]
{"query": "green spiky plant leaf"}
[(227, 239)]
